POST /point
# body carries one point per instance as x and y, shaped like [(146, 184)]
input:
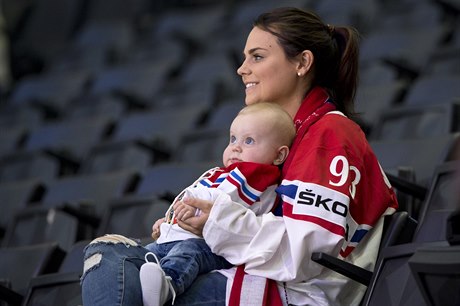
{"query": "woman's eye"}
[(232, 139), (249, 141), (257, 57)]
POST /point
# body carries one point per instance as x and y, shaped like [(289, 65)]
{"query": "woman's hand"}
[(194, 224), (156, 228)]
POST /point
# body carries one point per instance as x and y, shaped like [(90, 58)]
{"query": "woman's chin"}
[(250, 100)]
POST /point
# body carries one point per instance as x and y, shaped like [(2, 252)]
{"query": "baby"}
[(260, 137)]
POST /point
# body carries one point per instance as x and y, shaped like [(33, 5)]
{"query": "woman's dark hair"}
[(335, 50)]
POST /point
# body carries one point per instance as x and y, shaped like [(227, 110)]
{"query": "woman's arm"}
[(269, 246), (264, 244)]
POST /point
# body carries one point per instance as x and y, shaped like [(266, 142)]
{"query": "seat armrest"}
[(10, 296), (347, 269)]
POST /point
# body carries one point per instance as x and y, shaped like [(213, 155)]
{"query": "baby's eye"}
[(249, 141), (232, 139)]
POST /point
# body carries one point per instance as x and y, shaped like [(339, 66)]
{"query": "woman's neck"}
[(293, 104), (292, 108)]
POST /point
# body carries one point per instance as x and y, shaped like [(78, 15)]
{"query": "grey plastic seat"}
[(26, 166), (159, 129), (168, 179), (62, 287), (38, 225), (15, 196), (422, 154), (51, 91), (19, 264), (433, 89), (69, 139), (115, 157), (417, 122), (133, 216), (393, 283)]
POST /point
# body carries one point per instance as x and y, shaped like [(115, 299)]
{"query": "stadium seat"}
[(397, 47), (359, 15), (205, 20), (93, 190), (422, 155), (43, 35), (89, 106), (181, 94), (54, 289), (70, 209), (37, 225), (161, 130), (61, 287), (15, 196), (140, 81), (25, 166), (436, 271), (417, 122), (133, 216), (207, 143), (21, 263), (203, 145), (11, 140), (169, 179), (372, 100), (118, 11), (392, 282), (20, 116), (69, 140), (121, 156), (441, 203), (50, 92), (433, 89), (445, 61), (202, 68), (404, 14)]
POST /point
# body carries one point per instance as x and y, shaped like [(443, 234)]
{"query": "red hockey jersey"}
[(334, 196)]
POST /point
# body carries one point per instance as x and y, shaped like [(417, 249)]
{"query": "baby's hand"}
[(183, 211), (156, 228)]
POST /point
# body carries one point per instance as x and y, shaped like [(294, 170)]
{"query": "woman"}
[(334, 193)]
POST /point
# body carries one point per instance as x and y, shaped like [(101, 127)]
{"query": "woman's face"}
[(266, 72)]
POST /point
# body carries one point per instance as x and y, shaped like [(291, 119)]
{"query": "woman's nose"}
[(242, 70)]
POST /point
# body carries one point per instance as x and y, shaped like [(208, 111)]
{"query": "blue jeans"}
[(184, 260), (111, 276)]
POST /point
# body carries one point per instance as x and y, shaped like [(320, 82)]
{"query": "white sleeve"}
[(274, 247)]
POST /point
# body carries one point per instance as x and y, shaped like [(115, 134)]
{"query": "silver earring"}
[(298, 73)]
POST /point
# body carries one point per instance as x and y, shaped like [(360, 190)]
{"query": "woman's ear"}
[(305, 64), (283, 152)]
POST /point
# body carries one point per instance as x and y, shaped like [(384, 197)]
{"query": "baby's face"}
[(252, 139)]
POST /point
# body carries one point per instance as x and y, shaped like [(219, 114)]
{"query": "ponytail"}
[(346, 83)]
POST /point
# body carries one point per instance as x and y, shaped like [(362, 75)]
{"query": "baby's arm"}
[(156, 228)]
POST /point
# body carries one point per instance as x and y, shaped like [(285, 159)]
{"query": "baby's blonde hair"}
[(281, 120)]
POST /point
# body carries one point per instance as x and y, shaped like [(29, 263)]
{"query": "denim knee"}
[(103, 246)]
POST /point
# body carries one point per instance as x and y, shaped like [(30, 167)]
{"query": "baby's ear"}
[(283, 152)]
